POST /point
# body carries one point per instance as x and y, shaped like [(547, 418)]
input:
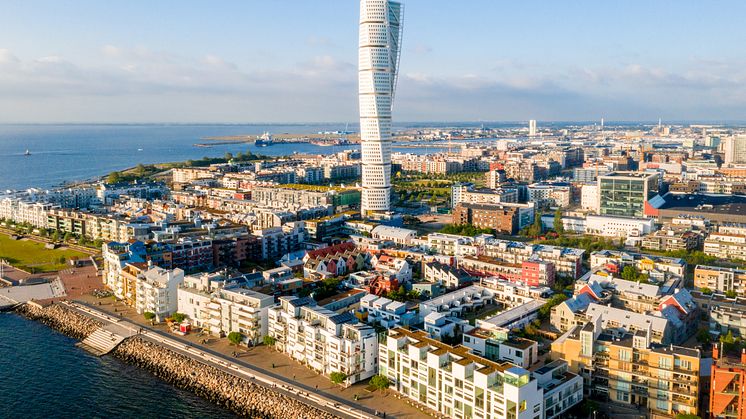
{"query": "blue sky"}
[(283, 61)]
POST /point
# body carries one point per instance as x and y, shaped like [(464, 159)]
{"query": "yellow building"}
[(626, 369)]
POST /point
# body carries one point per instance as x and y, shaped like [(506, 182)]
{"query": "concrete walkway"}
[(232, 366)]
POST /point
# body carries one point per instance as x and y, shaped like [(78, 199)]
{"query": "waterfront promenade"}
[(262, 359), (279, 383)]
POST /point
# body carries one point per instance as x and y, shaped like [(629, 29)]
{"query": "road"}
[(281, 384)]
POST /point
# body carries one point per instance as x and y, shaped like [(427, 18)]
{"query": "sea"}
[(70, 152), (44, 375)]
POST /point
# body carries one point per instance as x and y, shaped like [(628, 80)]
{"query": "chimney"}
[(715, 351), (743, 356)]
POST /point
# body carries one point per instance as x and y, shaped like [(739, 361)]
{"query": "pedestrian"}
[(317, 387), (273, 365), (293, 377), (384, 415)]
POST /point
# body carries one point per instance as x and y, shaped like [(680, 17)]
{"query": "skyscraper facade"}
[(380, 35), (735, 150)]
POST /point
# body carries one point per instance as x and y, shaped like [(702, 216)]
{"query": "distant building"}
[(735, 149)]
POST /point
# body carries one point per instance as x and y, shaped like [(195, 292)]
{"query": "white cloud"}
[(139, 84)]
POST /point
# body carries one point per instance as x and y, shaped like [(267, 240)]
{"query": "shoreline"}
[(241, 396)]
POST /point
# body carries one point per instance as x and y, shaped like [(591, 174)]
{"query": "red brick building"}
[(502, 218)]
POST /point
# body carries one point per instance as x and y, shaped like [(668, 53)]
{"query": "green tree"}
[(559, 226), (705, 290), (728, 341), (178, 317), (535, 229), (67, 237), (55, 236), (228, 156), (731, 294), (630, 273), (98, 243), (140, 170), (687, 416), (81, 241), (114, 177), (338, 377), (380, 382), (235, 338), (269, 340), (148, 315)]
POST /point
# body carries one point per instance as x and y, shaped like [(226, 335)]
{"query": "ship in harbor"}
[(264, 140)]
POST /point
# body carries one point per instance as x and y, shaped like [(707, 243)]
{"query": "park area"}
[(33, 257)]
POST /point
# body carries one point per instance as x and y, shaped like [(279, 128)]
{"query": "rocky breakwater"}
[(237, 394), (61, 318)]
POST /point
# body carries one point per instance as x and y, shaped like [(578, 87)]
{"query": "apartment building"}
[(628, 368), (451, 277), (534, 272), (724, 314), (385, 312), (720, 279), (726, 245), (156, 291), (118, 255), (496, 344), (20, 211), (555, 194), (672, 240), (323, 340), (222, 306), (466, 194), (727, 383), (458, 384), (452, 244), (499, 217), (658, 268), (567, 261)]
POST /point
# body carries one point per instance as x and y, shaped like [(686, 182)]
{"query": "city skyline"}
[(91, 63)]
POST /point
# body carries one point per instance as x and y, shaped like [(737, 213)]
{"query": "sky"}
[(256, 61)]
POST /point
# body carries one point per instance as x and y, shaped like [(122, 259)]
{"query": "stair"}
[(101, 342)]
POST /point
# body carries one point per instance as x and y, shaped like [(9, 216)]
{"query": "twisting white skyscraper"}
[(380, 35)]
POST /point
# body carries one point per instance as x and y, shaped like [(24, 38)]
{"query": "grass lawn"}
[(28, 255)]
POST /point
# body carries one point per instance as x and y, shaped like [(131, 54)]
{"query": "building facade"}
[(380, 34), (626, 193), (458, 384)]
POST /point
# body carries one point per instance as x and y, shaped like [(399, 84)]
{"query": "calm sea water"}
[(61, 153), (44, 375)]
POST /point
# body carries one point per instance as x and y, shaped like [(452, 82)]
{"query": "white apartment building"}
[(157, 291), (220, 306), (386, 312), (459, 384), (726, 245), (452, 244), (589, 197), (20, 211), (323, 340), (556, 195)]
